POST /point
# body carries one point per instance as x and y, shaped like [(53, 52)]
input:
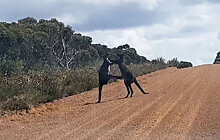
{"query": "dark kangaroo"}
[(105, 76), (127, 76)]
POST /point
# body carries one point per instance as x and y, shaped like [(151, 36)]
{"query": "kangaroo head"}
[(118, 61), (106, 59), (121, 58)]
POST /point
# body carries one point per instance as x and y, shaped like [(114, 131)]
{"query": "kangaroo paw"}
[(98, 101)]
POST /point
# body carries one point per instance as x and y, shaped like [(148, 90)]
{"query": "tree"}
[(184, 64), (64, 44), (123, 47), (217, 59), (102, 50), (49, 43), (173, 63), (28, 20)]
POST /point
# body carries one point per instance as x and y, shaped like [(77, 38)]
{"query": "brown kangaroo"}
[(127, 76)]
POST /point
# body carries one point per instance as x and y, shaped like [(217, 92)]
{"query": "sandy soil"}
[(182, 104)]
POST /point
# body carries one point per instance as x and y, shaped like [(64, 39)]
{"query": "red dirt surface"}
[(182, 104)]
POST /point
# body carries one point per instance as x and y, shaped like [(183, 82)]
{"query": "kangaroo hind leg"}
[(127, 87), (130, 89), (100, 93)]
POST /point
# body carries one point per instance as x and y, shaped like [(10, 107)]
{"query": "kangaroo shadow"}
[(91, 103), (120, 98)]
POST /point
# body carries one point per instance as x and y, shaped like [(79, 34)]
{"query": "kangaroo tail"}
[(135, 81)]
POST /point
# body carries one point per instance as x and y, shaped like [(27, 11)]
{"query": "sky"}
[(185, 29)]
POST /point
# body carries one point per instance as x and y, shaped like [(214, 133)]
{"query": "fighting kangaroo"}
[(104, 75), (127, 76)]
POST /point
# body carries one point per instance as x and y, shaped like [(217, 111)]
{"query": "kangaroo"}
[(127, 76), (104, 75)]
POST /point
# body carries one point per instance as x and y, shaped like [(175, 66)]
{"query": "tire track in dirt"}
[(109, 134), (197, 103), (59, 128), (134, 114), (56, 133), (82, 121), (210, 86), (115, 117), (183, 107), (105, 121), (70, 132), (106, 115), (182, 104), (129, 122), (64, 127), (162, 118)]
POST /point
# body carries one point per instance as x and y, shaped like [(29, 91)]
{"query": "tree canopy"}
[(217, 59), (52, 44)]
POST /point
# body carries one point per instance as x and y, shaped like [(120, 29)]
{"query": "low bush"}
[(217, 59), (23, 91), (28, 90), (184, 64)]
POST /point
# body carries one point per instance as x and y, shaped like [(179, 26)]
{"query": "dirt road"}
[(182, 104)]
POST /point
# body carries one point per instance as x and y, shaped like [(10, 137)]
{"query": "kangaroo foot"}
[(145, 93), (98, 102)]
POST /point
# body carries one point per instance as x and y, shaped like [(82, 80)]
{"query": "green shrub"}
[(10, 67), (183, 64), (23, 91), (173, 63), (27, 90), (217, 59)]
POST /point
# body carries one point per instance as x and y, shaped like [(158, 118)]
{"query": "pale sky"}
[(186, 29)]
